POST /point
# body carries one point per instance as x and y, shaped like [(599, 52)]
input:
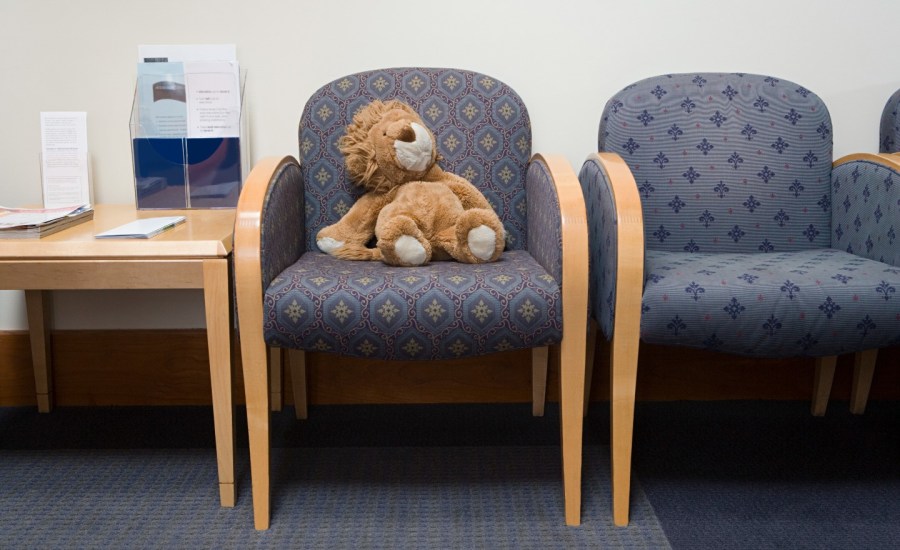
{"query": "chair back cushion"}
[(725, 162), (890, 125), (480, 124)]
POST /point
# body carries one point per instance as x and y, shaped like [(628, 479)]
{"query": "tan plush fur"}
[(415, 210)]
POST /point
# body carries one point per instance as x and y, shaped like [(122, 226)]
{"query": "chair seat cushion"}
[(807, 303), (438, 311)]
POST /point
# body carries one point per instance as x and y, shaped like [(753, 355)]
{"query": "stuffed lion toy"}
[(415, 211)]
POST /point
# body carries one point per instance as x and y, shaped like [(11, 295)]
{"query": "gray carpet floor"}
[(356, 497), (731, 475)]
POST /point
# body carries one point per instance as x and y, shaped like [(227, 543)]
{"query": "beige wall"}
[(565, 58)]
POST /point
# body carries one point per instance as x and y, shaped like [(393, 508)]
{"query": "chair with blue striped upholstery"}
[(889, 138), (718, 221)]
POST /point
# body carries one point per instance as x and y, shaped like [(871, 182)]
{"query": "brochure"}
[(188, 91), (25, 223), (143, 228), (163, 99), (64, 159), (213, 99)]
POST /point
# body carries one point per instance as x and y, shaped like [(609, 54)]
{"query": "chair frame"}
[(259, 361)]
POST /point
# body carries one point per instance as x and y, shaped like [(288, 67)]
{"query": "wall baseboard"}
[(170, 367)]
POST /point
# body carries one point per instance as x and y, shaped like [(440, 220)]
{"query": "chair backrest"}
[(481, 126), (725, 162), (889, 141)]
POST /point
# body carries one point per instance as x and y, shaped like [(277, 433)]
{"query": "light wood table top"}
[(205, 233)]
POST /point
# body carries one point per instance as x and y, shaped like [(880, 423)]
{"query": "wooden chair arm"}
[(629, 226), (247, 239), (573, 221)]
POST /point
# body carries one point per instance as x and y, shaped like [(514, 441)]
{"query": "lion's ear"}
[(357, 132), (368, 116), (361, 163), (400, 106), (360, 159)]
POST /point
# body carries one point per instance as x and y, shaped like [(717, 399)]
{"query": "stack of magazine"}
[(25, 223)]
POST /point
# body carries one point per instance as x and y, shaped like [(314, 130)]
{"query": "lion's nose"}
[(407, 134)]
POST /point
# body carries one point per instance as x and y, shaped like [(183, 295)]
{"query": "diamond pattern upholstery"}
[(483, 134), (291, 296), (442, 310)]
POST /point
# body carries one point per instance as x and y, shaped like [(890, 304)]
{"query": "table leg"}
[(40, 317), (217, 297)]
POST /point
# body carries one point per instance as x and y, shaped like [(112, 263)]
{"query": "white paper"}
[(143, 228), (213, 99), (64, 159)]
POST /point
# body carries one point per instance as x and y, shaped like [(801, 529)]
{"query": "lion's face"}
[(386, 145)]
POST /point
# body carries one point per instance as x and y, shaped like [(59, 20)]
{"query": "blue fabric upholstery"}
[(866, 211), (890, 125), (725, 162), (604, 238), (754, 245), (544, 227), (283, 242), (443, 310), (814, 302)]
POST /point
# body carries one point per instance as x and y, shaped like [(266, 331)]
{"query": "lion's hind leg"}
[(402, 243)]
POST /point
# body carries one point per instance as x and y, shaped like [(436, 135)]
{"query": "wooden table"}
[(195, 254)]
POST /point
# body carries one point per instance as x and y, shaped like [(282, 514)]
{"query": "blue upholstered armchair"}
[(292, 296), (717, 220), (890, 125)]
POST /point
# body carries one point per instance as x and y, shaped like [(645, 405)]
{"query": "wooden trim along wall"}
[(170, 367)]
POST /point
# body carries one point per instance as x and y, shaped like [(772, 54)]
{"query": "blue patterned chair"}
[(291, 296), (889, 141), (718, 221)]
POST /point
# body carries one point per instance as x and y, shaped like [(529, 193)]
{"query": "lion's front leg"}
[(468, 194), (347, 238)]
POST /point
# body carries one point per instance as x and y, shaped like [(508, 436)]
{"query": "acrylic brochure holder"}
[(184, 155)]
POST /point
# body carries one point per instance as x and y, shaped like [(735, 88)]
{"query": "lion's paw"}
[(482, 242), (329, 245), (410, 250)]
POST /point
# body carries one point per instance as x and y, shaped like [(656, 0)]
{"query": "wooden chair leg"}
[(589, 363), (297, 362), (822, 380), (276, 375), (540, 363), (256, 387), (863, 370), (623, 382), (571, 394)]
